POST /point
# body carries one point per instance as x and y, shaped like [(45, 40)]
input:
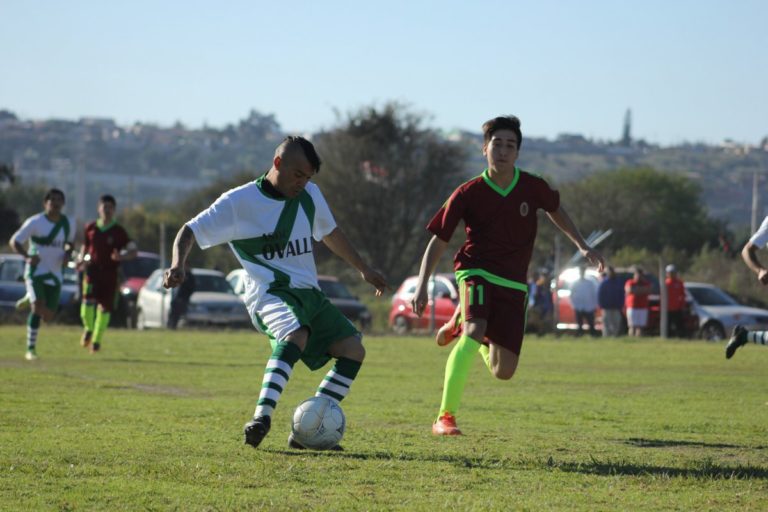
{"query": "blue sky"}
[(689, 70)]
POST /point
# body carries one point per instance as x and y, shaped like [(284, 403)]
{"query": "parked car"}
[(337, 293), (718, 312), (12, 288), (567, 317), (213, 302), (133, 274), (446, 293)]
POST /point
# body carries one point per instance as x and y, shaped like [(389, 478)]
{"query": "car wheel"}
[(141, 322), (401, 325), (713, 331)]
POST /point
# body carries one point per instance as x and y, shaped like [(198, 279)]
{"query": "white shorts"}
[(637, 317)]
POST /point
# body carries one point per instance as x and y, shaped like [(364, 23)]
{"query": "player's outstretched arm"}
[(563, 221), (174, 276), (435, 249), (337, 242), (749, 255)]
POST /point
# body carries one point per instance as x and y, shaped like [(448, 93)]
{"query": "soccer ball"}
[(318, 423)]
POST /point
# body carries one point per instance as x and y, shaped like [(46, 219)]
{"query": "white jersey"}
[(760, 238), (272, 238), (46, 240)]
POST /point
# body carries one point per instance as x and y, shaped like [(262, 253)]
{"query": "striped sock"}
[(276, 375), (335, 385), (33, 326), (759, 337)]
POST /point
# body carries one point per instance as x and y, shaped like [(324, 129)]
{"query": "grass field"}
[(155, 422)]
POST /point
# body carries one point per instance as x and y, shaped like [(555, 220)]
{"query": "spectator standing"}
[(675, 304), (636, 291), (584, 301), (610, 298)]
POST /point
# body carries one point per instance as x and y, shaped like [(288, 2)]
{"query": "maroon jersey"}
[(500, 224), (100, 242)]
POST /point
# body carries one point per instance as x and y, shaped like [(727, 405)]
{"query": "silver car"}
[(212, 303), (719, 312)]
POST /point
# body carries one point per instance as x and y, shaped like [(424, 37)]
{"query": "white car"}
[(719, 312), (213, 302)]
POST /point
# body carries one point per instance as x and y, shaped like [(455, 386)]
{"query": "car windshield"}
[(335, 290), (711, 297), (140, 266), (209, 283)]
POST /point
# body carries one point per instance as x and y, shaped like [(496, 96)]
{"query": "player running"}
[(499, 212), (269, 225), (50, 242), (106, 245), (741, 336)]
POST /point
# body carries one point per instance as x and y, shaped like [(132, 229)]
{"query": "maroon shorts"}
[(100, 287), (504, 310)]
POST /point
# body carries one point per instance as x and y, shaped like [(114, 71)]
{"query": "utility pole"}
[(755, 179)]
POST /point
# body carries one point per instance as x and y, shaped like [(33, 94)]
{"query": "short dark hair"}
[(502, 123), (293, 142), (108, 198), (52, 192)]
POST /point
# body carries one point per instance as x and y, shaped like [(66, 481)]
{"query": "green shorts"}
[(45, 288), (284, 310)]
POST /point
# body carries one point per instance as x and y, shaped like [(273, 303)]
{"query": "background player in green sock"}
[(740, 335), (105, 245), (499, 212), (49, 241)]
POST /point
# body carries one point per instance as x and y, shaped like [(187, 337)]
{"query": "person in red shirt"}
[(106, 244), (675, 303), (636, 291), (498, 209)]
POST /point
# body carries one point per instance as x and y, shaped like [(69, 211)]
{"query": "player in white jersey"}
[(269, 224), (49, 241), (740, 335)]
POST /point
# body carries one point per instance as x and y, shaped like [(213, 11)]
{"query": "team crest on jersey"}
[(524, 209)]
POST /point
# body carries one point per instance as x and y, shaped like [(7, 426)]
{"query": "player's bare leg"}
[(450, 330)]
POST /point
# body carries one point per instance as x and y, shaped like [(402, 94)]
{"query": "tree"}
[(384, 175), (645, 208)]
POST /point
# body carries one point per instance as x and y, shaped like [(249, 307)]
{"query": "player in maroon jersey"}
[(106, 244), (499, 212)]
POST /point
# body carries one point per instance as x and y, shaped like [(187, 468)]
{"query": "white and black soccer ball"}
[(318, 423)]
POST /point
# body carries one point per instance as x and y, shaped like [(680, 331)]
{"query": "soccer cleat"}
[(31, 355), (293, 443), (95, 347), (446, 426), (449, 331), (256, 429), (85, 340), (738, 338)]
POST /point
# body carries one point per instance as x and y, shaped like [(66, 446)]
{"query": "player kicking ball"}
[(499, 213), (269, 225)]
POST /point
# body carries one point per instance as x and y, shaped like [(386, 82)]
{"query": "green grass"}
[(155, 422)]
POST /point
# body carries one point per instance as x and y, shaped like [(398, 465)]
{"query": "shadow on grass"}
[(704, 470), (667, 443)]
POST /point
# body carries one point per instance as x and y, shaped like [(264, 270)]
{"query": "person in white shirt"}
[(740, 335), (269, 224), (584, 301), (49, 242)]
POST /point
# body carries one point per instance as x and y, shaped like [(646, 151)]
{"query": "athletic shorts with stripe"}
[(282, 311), (100, 287), (45, 288), (504, 309)]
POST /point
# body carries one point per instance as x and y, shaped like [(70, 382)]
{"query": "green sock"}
[(88, 316), (336, 383), (456, 370), (102, 321), (279, 368), (485, 351)]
